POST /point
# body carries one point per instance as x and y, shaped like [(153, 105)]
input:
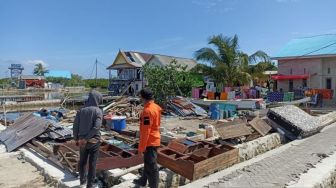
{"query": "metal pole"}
[(96, 70)]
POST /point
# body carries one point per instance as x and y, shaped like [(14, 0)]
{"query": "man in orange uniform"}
[(149, 139)]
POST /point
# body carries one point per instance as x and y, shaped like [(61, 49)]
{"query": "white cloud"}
[(34, 62)]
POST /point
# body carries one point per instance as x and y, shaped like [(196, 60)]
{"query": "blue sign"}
[(16, 66)]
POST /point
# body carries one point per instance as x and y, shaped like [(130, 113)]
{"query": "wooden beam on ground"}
[(260, 126)]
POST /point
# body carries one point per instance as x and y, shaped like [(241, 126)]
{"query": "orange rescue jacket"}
[(150, 126)]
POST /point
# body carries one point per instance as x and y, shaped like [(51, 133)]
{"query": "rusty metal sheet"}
[(23, 131), (233, 131), (261, 126), (202, 161)]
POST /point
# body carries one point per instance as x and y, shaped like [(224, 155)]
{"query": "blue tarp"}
[(58, 74)]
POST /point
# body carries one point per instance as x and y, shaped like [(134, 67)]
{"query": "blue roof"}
[(58, 74), (309, 46)]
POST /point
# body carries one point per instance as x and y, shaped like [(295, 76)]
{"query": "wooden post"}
[(4, 109)]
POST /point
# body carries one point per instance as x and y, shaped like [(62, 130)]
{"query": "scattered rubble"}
[(191, 154)]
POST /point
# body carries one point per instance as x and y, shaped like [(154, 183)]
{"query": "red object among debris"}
[(33, 81), (290, 77), (110, 156), (194, 160)]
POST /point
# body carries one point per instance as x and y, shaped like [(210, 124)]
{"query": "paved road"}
[(280, 169)]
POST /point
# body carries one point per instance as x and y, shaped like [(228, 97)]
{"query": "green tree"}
[(257, 70), (76, 80), (170, 80), (40, 70), (228, 64), (100, 83)]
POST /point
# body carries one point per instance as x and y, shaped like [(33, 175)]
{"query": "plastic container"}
[(108, 119), (201, 131), (119, 123), (222, 111), (209, 131), (215, 111)]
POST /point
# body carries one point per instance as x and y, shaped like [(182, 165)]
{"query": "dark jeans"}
[(151, 170), (89, 151)]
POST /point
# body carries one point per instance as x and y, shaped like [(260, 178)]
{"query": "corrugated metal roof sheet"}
[(165, 60), (309, 46), (58, 74), (23, 130)]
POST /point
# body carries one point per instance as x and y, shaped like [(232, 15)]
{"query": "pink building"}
[(307, 62)]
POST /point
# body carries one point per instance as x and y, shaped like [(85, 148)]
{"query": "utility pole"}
[(96, 71)]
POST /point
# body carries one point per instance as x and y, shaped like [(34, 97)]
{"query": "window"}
[(291, 71), (136, 87), (328, 70), (290, 84), (129, 56), (304, 83), (328, 83), (138, 74), (304, 71)]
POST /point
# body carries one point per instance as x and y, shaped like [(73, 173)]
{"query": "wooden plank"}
[(215, 163), (234, 122), (261, 126), (233, 131)]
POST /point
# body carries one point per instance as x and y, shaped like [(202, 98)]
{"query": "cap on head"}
[(146, 93)]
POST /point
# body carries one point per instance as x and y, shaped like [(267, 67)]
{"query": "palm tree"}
[(40, 70), (228, 64), (257, 70)]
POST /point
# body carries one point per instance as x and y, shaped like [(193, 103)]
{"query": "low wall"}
[(31, 105), (258, 146)]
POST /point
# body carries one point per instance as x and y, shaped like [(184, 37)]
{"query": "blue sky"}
[(71, 34)]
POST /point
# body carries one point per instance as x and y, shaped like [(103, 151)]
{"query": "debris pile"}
[(183, 107), (129, 107), (28, 127)]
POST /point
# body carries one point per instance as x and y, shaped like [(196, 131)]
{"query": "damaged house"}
[(128, 65)]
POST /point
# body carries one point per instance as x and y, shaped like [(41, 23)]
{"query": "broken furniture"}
[(109, 157), (194, 160)]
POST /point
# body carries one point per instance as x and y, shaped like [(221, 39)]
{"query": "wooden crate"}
[(199, 163)]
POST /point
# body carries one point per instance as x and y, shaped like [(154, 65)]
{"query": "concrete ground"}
[(290, 165), (15, 173), (172, 123)]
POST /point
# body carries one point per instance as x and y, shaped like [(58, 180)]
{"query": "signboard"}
[(16, 66)]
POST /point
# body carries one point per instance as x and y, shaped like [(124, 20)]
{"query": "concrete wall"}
[(329, 63), (317, 68)]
